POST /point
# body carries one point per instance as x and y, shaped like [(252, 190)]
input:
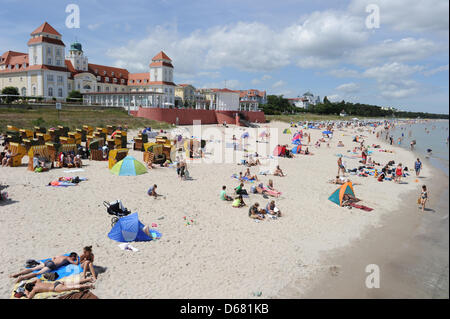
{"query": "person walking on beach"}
[(418, 167), (340, 166), (423, 197), (47, 266)]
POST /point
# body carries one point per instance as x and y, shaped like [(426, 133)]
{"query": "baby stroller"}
[(116, 209)]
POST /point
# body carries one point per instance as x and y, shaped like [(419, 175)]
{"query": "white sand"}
[(224, 254)]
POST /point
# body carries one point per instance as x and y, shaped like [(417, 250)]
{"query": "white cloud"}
[(278, 84), (344, 73), (406, 15), (94, 26), (441, 68), (348, 88), (266, 77), (406, 49)]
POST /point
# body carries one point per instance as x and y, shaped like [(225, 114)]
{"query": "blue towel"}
[(64, 271)]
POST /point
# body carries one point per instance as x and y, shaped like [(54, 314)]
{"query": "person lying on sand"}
[(47, 266), (252, 162), (340, 144), (249, 175), (152, 191), (87, 262), (256, 213), (278, 172), (338, 181), (37, 286)]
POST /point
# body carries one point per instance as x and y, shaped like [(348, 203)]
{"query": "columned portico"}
[(129, 100)]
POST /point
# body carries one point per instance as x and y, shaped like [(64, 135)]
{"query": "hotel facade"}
[(48, 73)]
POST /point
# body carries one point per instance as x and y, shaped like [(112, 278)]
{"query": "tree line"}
[(277, 105)]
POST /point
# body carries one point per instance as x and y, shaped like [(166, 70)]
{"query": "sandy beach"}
[(224, 253)]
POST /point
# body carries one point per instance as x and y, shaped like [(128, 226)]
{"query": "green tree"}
[(10, 90), (74, 96)]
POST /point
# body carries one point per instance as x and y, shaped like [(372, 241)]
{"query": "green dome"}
[(76, 46)]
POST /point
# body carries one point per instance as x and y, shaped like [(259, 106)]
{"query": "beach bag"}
[(51, 276), (38, 169), (30, 263), (419, 201)]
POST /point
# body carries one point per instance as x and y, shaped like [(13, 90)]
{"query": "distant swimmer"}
[(429, 150)]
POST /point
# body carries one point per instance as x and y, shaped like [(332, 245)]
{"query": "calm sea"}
[(428, 135)]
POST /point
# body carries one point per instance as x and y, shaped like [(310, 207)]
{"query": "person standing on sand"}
[(423, 197), (398, 173), (418, 167), (340, 166)]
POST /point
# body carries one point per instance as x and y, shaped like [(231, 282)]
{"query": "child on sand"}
[(238, 202), (87, 262), (152, 191), (423, 197)]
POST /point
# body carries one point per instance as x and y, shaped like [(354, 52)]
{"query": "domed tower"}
[(76, 56)]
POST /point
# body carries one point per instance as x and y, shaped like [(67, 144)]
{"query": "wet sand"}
[(411, 250)]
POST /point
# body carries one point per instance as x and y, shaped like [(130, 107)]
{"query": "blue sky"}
[(284, 47)]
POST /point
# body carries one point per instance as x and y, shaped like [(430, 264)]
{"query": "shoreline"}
[(411, 251)]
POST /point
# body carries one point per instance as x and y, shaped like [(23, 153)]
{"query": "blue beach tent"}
[(129, 228)]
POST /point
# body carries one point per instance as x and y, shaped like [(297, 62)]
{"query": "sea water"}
[(428, 135)]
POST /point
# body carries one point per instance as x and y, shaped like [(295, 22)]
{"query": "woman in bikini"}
[(87, 262), (37, 286), (249, 175)]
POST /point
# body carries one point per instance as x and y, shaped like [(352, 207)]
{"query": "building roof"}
[(46, 28), (224, 90), (161, 63), (161, 56), (13, 57), (41, 39)]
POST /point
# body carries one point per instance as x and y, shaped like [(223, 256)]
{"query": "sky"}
[(331, 48)]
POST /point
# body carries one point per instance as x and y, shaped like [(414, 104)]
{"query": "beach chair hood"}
[(128, 229)]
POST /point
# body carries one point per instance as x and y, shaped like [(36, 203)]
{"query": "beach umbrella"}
[(297, 142), (129, 166)]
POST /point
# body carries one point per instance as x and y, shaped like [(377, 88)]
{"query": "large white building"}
[(48, 73)]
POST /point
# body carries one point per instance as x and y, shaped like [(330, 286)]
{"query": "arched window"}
[(34, 91), (24, 91), (50, 91), (87, 87)]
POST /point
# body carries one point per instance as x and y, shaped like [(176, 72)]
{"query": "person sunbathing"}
[(250, 176), (338, 181), (270, 186), (38, 286), (47, 266), (238, 202), (278, 172), (340, 144), (255, 213), (87, 262), (252, 162)]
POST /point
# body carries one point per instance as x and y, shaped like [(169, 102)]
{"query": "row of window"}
[(50, 92), (105, 73)]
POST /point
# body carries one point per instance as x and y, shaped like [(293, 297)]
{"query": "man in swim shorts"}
[(47, 266)]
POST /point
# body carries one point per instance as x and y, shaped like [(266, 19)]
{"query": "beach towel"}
[(365, 208), (246, 179), (61, 184), (64, 271), (85, 294), (271, 192)]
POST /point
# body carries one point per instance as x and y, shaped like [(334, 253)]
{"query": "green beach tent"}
[(129, 166), (287, 131)]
